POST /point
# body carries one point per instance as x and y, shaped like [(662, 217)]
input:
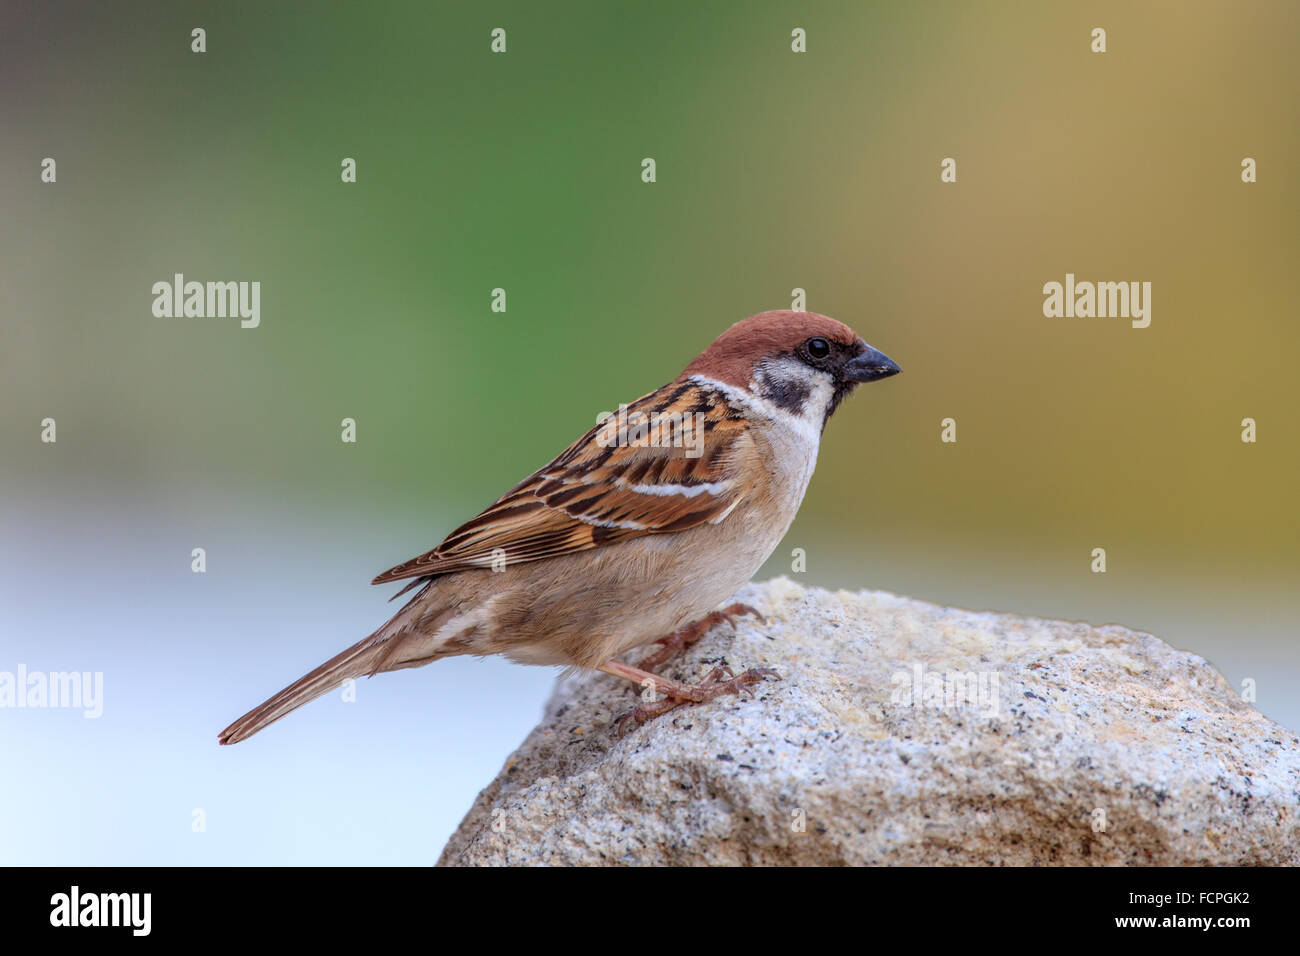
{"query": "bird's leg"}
[(678, 693), (688, 634)]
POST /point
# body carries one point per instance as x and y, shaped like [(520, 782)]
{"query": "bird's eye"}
[(818, 348)]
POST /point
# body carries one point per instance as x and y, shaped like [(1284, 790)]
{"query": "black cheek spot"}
[(791, 396)]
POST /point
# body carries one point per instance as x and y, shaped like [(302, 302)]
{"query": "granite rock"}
[(902, 732)]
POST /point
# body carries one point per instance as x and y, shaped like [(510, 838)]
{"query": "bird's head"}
[(801, 362)]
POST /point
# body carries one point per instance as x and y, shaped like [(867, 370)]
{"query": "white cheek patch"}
[(801, 391), (806, 426)]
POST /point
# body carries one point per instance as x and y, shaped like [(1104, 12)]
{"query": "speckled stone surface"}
[(902, 732)]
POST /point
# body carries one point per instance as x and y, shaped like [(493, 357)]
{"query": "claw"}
[(711, 687), (733, 611), (715, 675)]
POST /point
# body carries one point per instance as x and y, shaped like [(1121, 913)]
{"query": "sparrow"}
[(635, 534)]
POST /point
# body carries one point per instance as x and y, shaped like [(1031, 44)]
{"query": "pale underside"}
[(592, 602)]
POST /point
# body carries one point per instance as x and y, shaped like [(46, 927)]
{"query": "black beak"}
[(869, 366)]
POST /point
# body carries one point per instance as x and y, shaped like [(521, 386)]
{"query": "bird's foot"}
[(688, 634), (678, 694)]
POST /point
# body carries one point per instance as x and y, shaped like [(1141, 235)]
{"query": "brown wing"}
[(662, 466)]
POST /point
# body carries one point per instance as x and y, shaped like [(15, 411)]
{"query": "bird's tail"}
[(363, 658)]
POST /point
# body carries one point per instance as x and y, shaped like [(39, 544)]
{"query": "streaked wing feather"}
[(609, 487)]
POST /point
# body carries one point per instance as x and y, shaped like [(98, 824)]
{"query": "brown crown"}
[(732, 356)]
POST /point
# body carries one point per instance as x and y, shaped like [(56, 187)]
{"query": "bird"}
[(635, 534)]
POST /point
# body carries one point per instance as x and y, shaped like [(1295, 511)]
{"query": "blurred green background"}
[(775, 170)]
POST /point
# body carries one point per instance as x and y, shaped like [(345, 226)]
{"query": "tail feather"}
[(363, 658)]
